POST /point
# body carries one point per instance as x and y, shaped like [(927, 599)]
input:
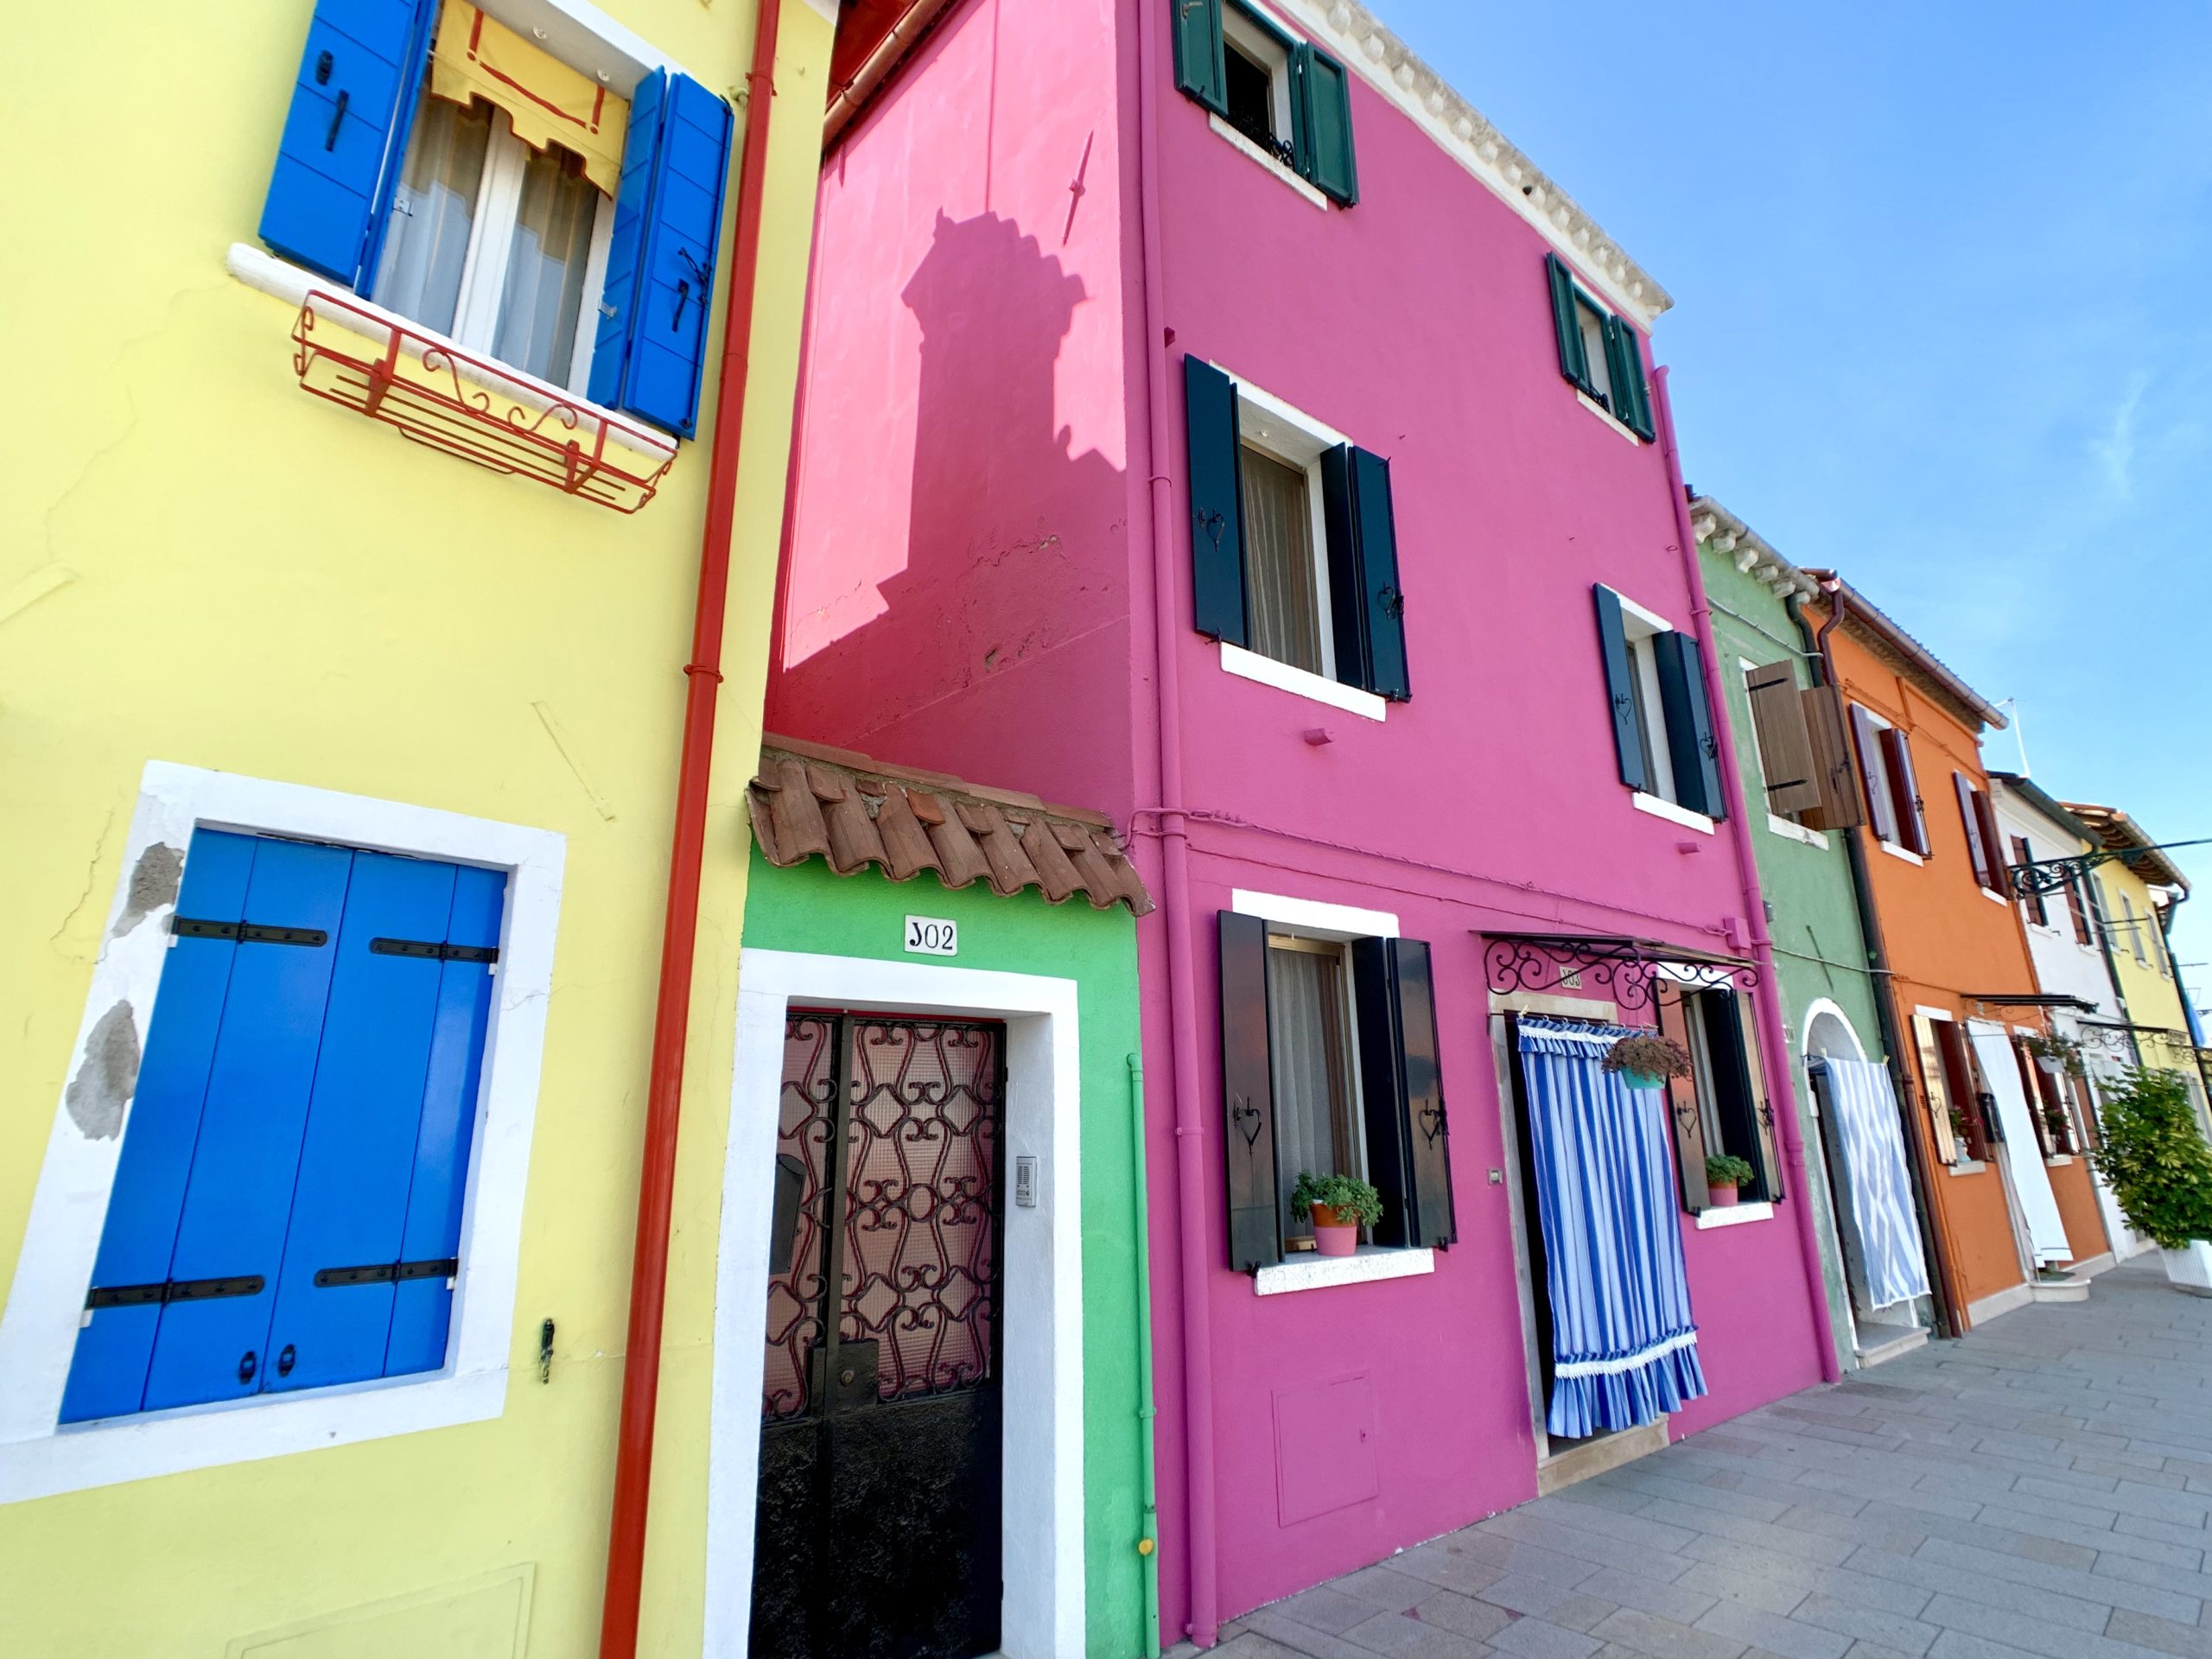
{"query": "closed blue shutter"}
[(1620, 688), (422, 1306), (1691, 739), (107, 1376), (650, 356), (238, 1197), (1321, 123), (1217, 503), (358, 1158), (1367, 611), (339, 152)]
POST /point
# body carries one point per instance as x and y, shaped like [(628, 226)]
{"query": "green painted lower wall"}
[(809, 908)]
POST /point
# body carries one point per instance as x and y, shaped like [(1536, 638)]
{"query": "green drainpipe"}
[(1147, 1489)]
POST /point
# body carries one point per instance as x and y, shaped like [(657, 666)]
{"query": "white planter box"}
[(2191, 1268)]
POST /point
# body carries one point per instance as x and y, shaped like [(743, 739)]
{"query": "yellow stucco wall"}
[(199, 563), (2152, 997)]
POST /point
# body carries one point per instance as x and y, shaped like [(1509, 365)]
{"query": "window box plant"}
[(1724, 1176), (1647, 1060), (1339, 1206), (2055, 1054), (2154, 1158)]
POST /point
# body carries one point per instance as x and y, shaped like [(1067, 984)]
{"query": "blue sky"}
[(1940, 321)]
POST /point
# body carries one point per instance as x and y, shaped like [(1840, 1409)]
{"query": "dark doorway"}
[(879, 1528)]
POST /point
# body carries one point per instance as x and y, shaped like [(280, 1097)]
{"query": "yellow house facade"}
[(369, 354)]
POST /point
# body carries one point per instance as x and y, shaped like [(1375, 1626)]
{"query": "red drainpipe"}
[(634, 1455)]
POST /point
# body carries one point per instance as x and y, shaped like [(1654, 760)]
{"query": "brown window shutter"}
[(2032, 1089), (1248, 1096), (1977, 852), (2038, 908), (2085, 1112), (2064, 1137), (1841, 806), (1992, 840), (1765, 1106), (1684, 1118), (1937, 1088), (2078, 911), (1874, 777), (1913, 812), (1792, 774), (1964, 1079)]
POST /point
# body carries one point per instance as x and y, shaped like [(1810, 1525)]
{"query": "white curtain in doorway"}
[(2022, 1149), (1863, 1109)]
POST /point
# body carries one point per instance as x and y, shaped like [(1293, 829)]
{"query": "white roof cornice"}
[(1724, 532)]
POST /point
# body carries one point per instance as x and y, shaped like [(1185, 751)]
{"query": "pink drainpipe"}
[(1194, 1254), (1773, 1038)]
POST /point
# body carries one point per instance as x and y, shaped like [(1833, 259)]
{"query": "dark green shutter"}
[(1620, 688), (1217, 503), (1573, 361), (1408, 1145), (1198, 67), (1320, 99), (1631, 402), (1248, 1096), (1690, 737), (1367, 610)]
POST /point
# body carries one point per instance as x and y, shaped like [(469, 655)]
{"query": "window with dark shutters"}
[(1904, 784), (1620, 688), (1567, 326), (1319, 146), (2077, 912), (1874, 776), (1841, 806), (2038, 909), (1977, 852), (1321, 106), (1631, 398), (1217, 502), (1624, 390), (1692, 741), (1685, 1116), (1367, 608), (1785, 746), (1248, 1096), (1969, 1093), (1992, 840), (1198, 66), (1942, 1129)]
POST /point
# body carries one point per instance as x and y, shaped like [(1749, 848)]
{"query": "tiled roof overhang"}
[(1867, 624), (809, 798), (2123, 835)]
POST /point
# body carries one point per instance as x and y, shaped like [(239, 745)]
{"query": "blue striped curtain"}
[(1880, 1212), (1623, 1345)]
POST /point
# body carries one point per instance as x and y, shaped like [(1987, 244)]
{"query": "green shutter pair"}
[(1630, 403), (1367, 610), (1320, 95), (1693, 737)]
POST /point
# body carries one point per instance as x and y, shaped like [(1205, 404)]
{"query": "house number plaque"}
[(930, 935)]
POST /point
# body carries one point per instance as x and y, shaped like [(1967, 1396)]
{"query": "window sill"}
[(1604, 415), (1965, 1166), (258, 269), (1734, 1215), (1659, 807), (1247, 147), (1790, 830), (1993, 898), (2059, 1161), (1319, 1272), (1315, 688), (1896, 851)]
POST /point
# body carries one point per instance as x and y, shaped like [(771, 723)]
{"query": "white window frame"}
[(1895, 849), (1348, 1017), (1260, 38), (39, 1456), (1639, 628)]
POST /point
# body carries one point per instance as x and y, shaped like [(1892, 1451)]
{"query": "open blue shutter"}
[(107, 1375), (1321, 123), (1366, 610), (1217, 503), (238, 1198), (651, 352), (423, 1306), (1620, 688), (1691, 740), (340, 153), (358, 1158), (1199, 70), (1567, 326)]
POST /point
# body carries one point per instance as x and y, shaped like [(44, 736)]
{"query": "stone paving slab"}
[(2042, 1489)]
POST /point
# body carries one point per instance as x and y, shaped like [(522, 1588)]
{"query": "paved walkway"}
[(2041, 1488)]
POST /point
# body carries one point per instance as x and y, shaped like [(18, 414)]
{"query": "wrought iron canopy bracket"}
[(2043, 876), (1641, 973)]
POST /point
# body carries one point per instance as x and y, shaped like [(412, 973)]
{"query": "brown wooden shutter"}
[(1683, 1116), (2084, 1111), (1786, 758), (1936, 1087), (2078, 911), (1977, 851), (1248, 1096), (1873, 776), (2038, 908), (2032, 1089), (1963, 1075), (1841, 807), (2065, 1136), (1992, 840), (1766, 1108), (1913, 812)]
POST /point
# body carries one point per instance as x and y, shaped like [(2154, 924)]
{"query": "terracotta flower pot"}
[(1723, 1198), (1332, 1236)]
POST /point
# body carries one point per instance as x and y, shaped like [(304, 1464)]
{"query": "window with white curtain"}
[(1309, 1053), (1284, 582)]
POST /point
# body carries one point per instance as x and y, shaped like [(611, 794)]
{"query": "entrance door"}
[(879, 1528)]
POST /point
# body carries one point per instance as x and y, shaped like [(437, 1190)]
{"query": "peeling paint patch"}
[(154, 882), (108, 1077)]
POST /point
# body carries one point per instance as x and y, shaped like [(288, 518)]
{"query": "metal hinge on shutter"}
[(386, 1273), (248, 932), (173, 1290), (431, 950)]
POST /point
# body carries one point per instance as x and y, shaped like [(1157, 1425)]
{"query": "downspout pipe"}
[(1774, 1037), (1195, 1242), (1147, 1478), (634, 1452), (1949, 1301)]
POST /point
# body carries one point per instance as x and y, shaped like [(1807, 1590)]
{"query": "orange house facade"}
[(1999, 1139)]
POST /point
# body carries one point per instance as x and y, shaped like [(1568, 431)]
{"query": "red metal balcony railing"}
[(438, 395)]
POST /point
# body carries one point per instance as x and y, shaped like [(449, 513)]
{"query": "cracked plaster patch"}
[(108, 1076), (154, 882)]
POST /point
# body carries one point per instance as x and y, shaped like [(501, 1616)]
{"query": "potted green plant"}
[(2053, 1119), (2055, 1054), (1646, 1060), (1724, 1175), (2154, 1158), (1339, 1206)]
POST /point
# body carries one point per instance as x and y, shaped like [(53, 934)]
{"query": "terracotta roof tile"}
[(809, 800)]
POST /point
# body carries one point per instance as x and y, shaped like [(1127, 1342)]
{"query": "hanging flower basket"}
[(1647, 1060), (2055, 1054)]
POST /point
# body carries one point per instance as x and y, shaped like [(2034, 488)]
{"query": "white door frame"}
[(1041, 1289)]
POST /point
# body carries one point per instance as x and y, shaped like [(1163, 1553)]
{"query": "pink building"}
[(1208, 416)]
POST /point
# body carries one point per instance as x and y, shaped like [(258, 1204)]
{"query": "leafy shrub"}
[(2155, 1158)]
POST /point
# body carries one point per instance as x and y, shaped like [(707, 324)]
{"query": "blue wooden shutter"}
[(1366, 609), (357, 1157), (1199, 70), (238, 1200), (1631, 401), (423, 1306), (1567, 326), (1691, 740), (107, 1375), (339, 157), (1402, 1091), (1620, 688), (1320, 102), (650, 356), (1217, 503)]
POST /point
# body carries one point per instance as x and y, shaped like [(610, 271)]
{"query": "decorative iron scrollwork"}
[(1640, 974)]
